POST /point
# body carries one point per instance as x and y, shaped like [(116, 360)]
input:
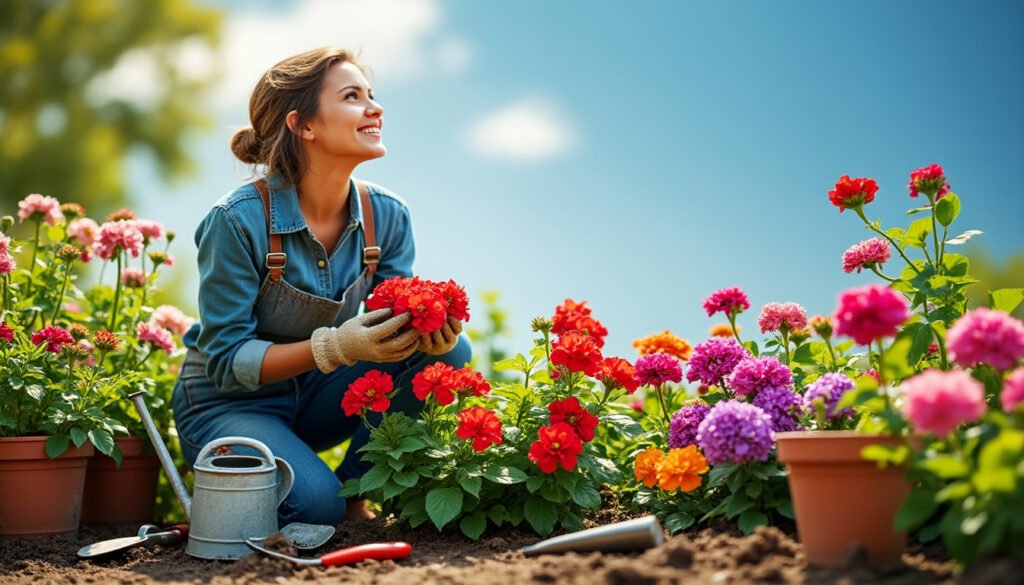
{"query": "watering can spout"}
[(138, 399)]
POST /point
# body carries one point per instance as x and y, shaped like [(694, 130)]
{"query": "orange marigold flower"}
[(646, 467), (681, 469), (664, 343), (723, 330)]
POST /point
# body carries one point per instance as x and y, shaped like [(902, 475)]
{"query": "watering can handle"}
[(284, 486), (236, 441)]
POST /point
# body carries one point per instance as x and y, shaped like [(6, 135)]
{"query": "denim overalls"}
[(243, 310)]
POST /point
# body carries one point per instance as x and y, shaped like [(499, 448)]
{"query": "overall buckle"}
[(276, 260), (371, 255)]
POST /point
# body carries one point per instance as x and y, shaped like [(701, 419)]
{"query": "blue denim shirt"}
[(233, 243)]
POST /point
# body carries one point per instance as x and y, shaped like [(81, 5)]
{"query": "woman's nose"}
[(374, 110)]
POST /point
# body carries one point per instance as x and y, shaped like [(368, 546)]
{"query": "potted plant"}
[(68, 358)]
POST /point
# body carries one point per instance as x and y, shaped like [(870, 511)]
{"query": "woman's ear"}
[(292, 120)]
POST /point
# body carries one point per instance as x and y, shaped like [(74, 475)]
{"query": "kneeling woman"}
[(285, 263)]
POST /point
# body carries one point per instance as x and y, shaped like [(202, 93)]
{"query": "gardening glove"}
[(370, 337), (443, 340)]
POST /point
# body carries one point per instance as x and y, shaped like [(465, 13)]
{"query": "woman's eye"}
[(351, 94)]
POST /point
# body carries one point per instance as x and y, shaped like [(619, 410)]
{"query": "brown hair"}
[(292, 84)]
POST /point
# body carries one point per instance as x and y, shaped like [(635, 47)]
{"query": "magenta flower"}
[(7, 264), (866, 254), (753, 374), (655, 369), (159, 337), (714, 359), (928, 180), (133, 278), (116, 236), (1013, 391), (730, 300), (682, 429), (870, 312), (986, 336), (735, 432), (5, 244), (151, 230), (53, 337), (937, 402), (775, 316), (171, 318), (40, 208)]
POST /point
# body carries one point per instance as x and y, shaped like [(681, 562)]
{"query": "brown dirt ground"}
[(708, 556)]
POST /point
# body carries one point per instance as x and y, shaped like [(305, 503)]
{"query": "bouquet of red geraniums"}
[(429, 302), (510, 453)]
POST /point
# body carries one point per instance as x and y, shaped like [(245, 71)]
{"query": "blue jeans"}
[(296, 419)]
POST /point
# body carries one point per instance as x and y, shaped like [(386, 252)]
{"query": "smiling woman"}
[(285, 263)]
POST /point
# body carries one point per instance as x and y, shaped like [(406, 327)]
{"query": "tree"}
[(72, 105)]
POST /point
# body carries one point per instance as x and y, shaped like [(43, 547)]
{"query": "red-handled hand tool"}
[(378, 551)]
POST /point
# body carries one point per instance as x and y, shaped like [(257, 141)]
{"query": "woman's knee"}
[(314, 500), (460, 355)]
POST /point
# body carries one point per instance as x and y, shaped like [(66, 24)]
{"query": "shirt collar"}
[(285, 215)]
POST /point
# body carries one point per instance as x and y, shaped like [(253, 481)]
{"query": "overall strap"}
[(371, 251), (276, 259)]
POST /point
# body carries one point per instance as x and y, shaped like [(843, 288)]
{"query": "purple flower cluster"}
[(735, 432), (657, 368), (755, 373), (683, 428), (714, 359), (781, 405), (830, 388)]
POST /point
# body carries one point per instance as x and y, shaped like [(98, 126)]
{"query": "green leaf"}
[(375, 478), (498, 515), (541, 515), (35, 391), (602, 470), (915, 211), (920, 335), (78, 436), (350, 489), (947, 466), (504, 474), (947, 208), (406, 478), (473, 525), (533, 484), (751, 519), (392, 489), (584, 494), (917, 233), (1005, 299), (471, 485), (737, 504), (517, 363), (995, 480), (964, 237), (103, 441), (678, 521), (957, 490), (443, 505), (56, 445), (916, 509), (408, 445)]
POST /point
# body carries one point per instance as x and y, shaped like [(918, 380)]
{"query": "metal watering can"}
[(235, 497)]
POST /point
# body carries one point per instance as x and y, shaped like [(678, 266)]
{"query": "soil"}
[(712, 556)]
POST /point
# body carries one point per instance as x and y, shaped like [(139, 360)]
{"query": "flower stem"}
[(935, 238), (881, 374), (831, 352), (664, 408), (732, 323), (117, 296), (60, 298), (871, 226), (785, 343), (32, 265), (879, 273)]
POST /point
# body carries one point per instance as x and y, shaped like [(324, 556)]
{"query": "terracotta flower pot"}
[(39, 495), (126, 494), (840, 499)]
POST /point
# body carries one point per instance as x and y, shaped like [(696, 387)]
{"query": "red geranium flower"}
[(481, 425), (458, 302), (54, 337), (556, 445), (468, 381), (573, 316), (570, 412), (577, 351), (370, 391), (6, 333), (435, 379), (618, 373), (852, 193)]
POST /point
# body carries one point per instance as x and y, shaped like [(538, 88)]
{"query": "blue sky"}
[(641, 157)]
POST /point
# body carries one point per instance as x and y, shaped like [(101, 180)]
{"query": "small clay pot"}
[(126, 494), (842, 500), (39, 495)]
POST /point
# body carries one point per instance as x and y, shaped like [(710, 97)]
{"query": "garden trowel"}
[(638, 534)]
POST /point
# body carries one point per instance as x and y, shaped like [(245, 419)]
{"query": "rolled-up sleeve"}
[(228, 285), (398, 248)]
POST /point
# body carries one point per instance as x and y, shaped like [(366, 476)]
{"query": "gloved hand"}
[(443, 340), (364, 338)]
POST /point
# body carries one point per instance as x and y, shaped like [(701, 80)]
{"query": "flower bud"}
[(74, 351), (69, 253), (122, 215), (540, 325), (78, 331), (72, 211), (822, 325), (6, 222), (170, 236), (799, 336), (158, 258), (106, 341)]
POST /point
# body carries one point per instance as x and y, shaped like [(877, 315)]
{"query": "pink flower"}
[(84, 230), (5, 244), (40, 208), (116, 236), (937, 402), (53, 337), (133, 278), (171, 317), (928, 180), (727, 300), (775, 316), (151, 230), (158, 336), (986, 336), (870, 312), (7, 264), (1013, 391), (866, 254)]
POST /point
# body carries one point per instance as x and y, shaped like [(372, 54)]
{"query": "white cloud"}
[(454, 55), (529, 130)]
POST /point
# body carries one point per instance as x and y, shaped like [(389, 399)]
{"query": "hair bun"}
[(247, 147)]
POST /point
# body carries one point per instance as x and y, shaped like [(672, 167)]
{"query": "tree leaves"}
[(443, 505)]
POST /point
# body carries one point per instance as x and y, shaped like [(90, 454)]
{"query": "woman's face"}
[(348, 124)]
